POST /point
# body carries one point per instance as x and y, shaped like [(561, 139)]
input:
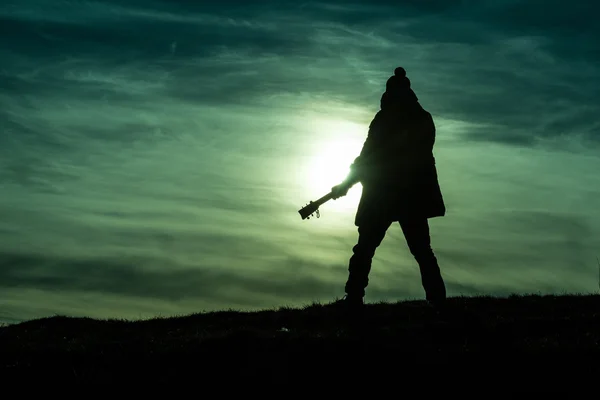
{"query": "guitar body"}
[(313, 207)]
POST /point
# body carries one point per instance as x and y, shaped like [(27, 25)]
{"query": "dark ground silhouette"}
[(536, 341)]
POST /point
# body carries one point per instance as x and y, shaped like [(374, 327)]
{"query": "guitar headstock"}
[(309, 210)]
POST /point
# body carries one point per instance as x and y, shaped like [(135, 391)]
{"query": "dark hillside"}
[(517, 339)]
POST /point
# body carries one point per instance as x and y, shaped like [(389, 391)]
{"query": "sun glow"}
[(331, 160)]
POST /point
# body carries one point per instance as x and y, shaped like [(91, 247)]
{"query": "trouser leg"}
[(416, 233), (369, 238)]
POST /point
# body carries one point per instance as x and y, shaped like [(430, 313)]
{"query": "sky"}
[(154, 154)]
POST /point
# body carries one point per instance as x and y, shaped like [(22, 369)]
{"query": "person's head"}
[(398, 83), (398, 90)]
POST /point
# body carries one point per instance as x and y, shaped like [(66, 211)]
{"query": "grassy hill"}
[(516, 339)]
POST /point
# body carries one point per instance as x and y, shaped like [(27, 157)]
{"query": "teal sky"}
[(154, 154)]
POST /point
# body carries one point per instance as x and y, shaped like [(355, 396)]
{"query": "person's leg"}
[(369, 238), (416, 232)]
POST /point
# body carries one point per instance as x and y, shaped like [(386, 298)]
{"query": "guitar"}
[(313, 207)]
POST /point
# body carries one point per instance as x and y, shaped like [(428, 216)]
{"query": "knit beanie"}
[(397, 89)]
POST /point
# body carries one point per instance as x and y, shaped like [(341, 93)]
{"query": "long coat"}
[(397, 168)]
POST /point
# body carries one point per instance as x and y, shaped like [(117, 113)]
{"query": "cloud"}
[(290, 281), (136, 134), (261, 55)]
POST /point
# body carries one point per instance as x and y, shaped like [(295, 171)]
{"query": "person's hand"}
[(339, 190)]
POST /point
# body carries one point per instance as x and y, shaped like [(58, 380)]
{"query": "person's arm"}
[(419, 147), (425, 138), (358, 167)]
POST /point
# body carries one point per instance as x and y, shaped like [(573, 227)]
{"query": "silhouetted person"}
[(397, 170)]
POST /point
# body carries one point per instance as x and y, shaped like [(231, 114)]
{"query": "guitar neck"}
[(324, 199), (313, 206)]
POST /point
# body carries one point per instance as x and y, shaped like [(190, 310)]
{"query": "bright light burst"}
[(339, 145)]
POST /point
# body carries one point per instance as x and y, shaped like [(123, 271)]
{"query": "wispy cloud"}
[(165, 147)]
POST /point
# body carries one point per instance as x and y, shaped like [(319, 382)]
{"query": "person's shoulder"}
[(429, 116), (379, 115), (423, 113), (426, 121)]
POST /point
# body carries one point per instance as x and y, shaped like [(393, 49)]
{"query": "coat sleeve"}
[(425, 137), (419, 148), (367, 153)]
